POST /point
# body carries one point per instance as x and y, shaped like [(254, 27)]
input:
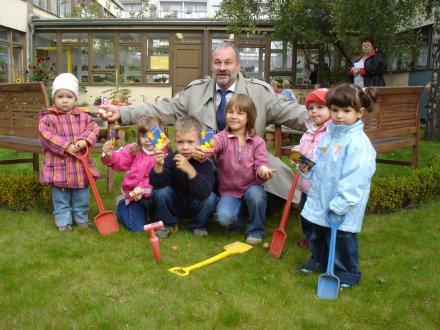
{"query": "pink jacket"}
[(238, 171), (138, 167), (307, 147), (58, 129)]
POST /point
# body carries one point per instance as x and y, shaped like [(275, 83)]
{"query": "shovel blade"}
[(106, 223), (328, 287), (277, 245)]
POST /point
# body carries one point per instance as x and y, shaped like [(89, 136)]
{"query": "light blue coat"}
[(345, 163)]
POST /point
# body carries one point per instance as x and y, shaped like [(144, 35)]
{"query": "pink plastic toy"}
[(154, 240)]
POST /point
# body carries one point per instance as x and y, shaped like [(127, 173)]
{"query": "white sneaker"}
[(253, 240)]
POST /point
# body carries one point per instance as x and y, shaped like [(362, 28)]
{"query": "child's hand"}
[(183, 165), (159, 156), (107, 149), (266, 173), (81, 144), (136, 193), (72, 149), (303, 167), (198, 153)]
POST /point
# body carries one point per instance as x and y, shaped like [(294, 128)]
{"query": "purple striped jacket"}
[(58, 129)]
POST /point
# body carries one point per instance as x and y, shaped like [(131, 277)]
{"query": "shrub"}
[(21, 192)]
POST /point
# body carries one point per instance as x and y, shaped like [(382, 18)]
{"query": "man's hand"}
[(109, 112), (183, 165)]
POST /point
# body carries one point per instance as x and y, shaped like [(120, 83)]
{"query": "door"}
[(187, 65)]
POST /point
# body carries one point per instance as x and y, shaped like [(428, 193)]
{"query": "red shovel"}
[(279, 235), (105, 221)]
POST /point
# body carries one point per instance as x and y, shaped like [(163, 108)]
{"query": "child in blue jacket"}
[(345, 164)]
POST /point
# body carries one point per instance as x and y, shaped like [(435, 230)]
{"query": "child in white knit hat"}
[(64, 131)]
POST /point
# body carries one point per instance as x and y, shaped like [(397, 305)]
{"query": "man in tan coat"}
[(202, 97)]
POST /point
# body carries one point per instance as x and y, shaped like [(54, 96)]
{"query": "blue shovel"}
[(328, 283)]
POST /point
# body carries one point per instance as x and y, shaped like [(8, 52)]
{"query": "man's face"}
[(225, 67)]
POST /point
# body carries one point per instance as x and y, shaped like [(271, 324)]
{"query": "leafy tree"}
[(147, 11), (340, 24)]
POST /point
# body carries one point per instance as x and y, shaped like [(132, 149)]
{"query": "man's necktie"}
[(220, 115)]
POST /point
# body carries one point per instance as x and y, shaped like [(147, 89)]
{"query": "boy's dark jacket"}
[(200, 187)]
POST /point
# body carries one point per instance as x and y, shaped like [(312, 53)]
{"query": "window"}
[(11, 55), (103, 57), (158, 58)]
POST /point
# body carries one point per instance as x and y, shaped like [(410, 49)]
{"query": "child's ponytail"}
[(369, 98)]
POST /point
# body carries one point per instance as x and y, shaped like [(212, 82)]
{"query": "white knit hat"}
[(66, 81)]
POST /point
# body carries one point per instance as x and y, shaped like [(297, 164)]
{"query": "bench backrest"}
[(396, 113), (20, 105)]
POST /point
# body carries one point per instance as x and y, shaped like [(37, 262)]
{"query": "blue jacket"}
[(345, 163)]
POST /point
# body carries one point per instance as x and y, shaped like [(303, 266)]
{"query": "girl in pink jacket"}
[(135, 205), (319, 114), (243, 166)]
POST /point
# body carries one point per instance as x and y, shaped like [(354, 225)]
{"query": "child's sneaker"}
[(345, 286), (310, 266), (165, 232), (200, 232), (65, 228), (253, 240)]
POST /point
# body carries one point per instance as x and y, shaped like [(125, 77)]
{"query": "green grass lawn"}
[(82, 280)]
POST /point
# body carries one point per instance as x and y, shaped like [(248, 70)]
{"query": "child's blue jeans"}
[(170, 206), (346, 253), (70, 205), (135, 215), (228, 211)]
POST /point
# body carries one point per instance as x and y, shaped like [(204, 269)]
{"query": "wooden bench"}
[(394, 124), (20, 105)]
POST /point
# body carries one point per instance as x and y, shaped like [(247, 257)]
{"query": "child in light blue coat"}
[(345, 164)]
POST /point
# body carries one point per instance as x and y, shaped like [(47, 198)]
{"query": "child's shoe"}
[(310, 266), (345, 286), (253, 240), (200, 232), (65, 228), (165, 232), (304, 244)]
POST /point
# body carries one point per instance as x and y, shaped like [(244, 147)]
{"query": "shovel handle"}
[(184, 271), (288, 203), (83, 158)]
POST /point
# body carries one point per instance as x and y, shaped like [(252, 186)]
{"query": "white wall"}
[(14, 14)]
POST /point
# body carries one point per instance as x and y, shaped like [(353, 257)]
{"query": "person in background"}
[(319, 115), (287, 93), (182, 185), (274, 85), (367, 69), (313, 77), (135, 206), (65, 130), (341, 180)]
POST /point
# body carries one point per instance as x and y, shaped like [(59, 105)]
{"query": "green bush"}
[(392, 193), (21, 192)]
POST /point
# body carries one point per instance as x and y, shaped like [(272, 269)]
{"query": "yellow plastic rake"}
[(233, 248)]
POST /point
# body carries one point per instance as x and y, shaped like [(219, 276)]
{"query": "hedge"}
[(20, 192)]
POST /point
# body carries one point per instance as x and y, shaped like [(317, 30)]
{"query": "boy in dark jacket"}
[(182, 186)]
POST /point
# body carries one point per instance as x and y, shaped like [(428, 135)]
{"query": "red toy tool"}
[(154, 240), (106, 220)]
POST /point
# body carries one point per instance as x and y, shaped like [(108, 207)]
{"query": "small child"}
[(319, 114), (287, 92), (64, 131), (243, 166), (182, 185), (345, 164), (135, 206)]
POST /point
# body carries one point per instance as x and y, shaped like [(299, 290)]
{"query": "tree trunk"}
[(432, 131)]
